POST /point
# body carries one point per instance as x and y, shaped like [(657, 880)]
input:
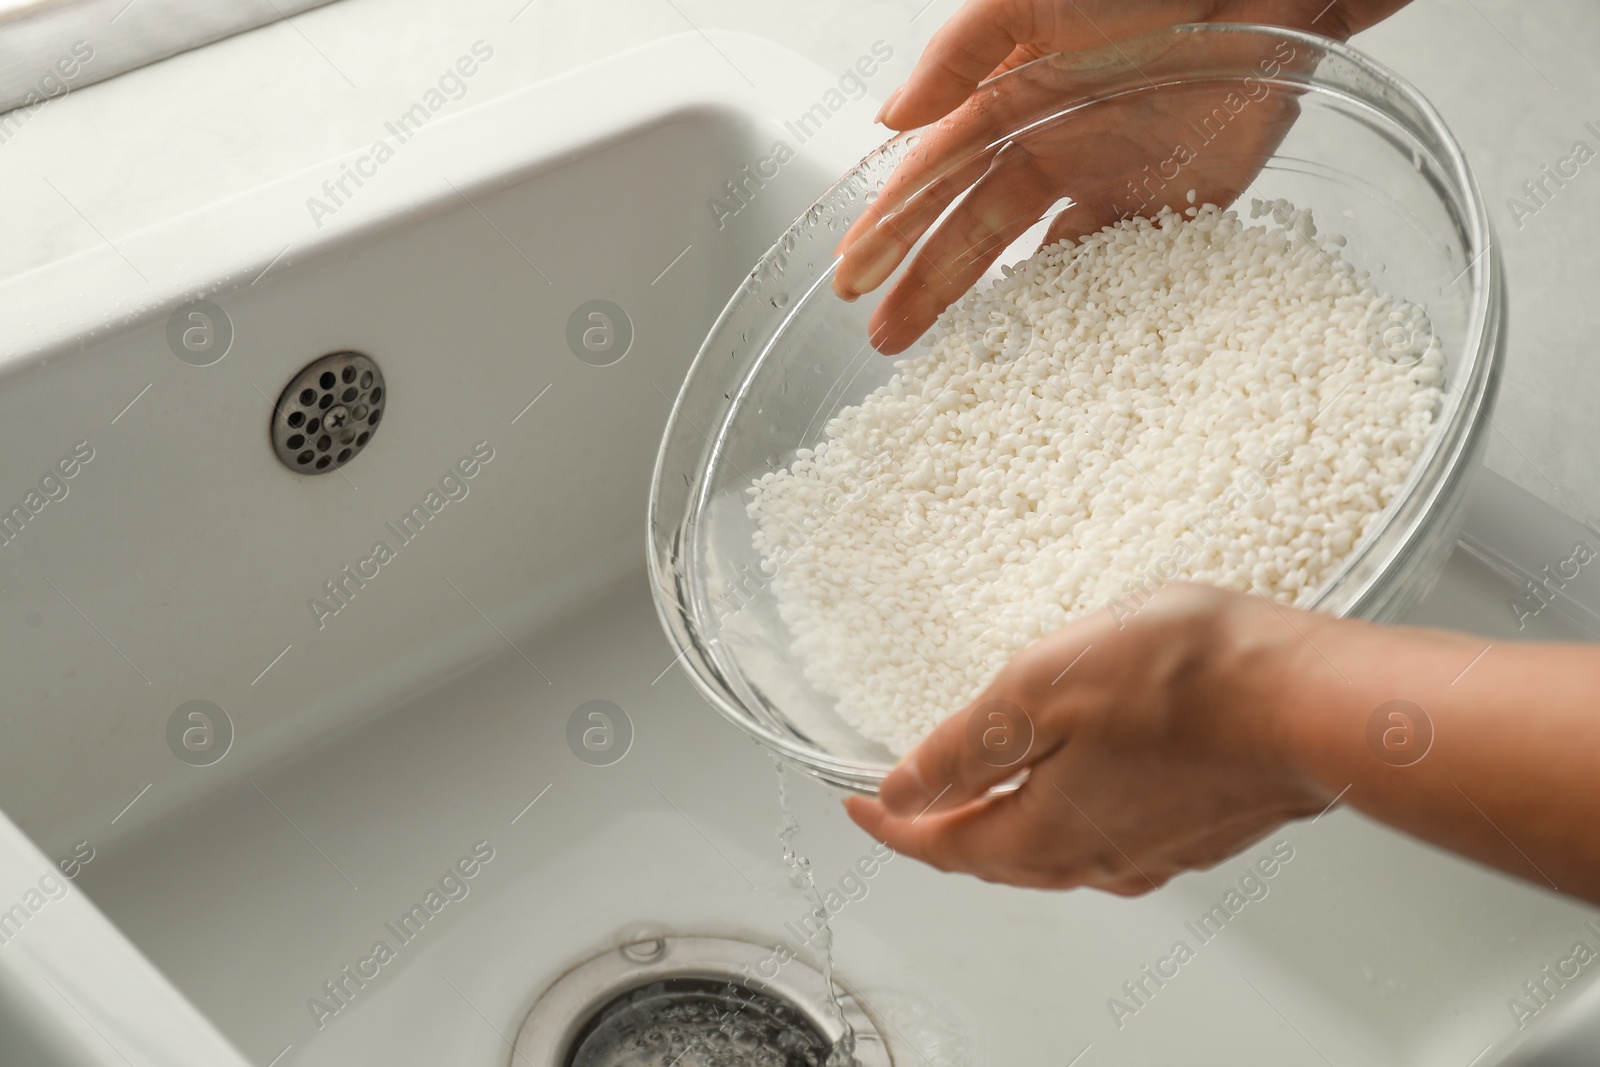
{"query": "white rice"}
[(1189, 398)]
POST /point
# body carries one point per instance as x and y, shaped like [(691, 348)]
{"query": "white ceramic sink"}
[(426, 721)]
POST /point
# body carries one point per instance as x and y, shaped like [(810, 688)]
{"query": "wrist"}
[(1332, 686), (1286, 699)]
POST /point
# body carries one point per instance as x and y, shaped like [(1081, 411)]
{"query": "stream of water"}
[(843, 1053)]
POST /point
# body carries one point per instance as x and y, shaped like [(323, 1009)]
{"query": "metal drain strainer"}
[(691, 1002), (328, 413), (709, 1021)]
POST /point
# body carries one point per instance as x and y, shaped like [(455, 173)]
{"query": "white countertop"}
[(1516, 83)]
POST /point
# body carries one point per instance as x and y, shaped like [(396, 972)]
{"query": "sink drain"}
[(328, 412), (717, 1022), (692, 1002)]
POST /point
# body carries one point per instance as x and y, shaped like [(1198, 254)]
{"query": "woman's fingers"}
[(988, 34), (943, 769), (1027, 838), (962, 840), (965, 51), (1135, 885), (953, 153), (1024, 716), (1006, 730), (876, 242), (949, 157), (964, 757), (1131, 155), (1112, 728), (1006, 838), (948, 160), (1011, 197), (981, 43), (1211, 848), (1202, 853)]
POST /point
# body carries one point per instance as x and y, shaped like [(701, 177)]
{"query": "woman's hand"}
[(1167, 735), (1133, 155), (1150, 748)]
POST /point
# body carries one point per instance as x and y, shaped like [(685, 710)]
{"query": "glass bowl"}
[(1334, 132)]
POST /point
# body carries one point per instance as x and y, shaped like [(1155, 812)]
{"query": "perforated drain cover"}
[(692, 1002), (701, 1022), (328, 413)]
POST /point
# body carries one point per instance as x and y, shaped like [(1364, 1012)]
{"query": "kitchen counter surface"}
[(1514, 81)]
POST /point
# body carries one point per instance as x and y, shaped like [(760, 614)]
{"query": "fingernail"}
[(887, 104), (874, 271)]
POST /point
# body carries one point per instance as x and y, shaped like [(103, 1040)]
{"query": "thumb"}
[(1020, 719), (966, 755)]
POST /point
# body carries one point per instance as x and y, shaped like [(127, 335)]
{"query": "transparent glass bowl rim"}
[(1483, 269)]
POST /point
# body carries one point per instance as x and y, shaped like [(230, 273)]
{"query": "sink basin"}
[(436, 715)]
